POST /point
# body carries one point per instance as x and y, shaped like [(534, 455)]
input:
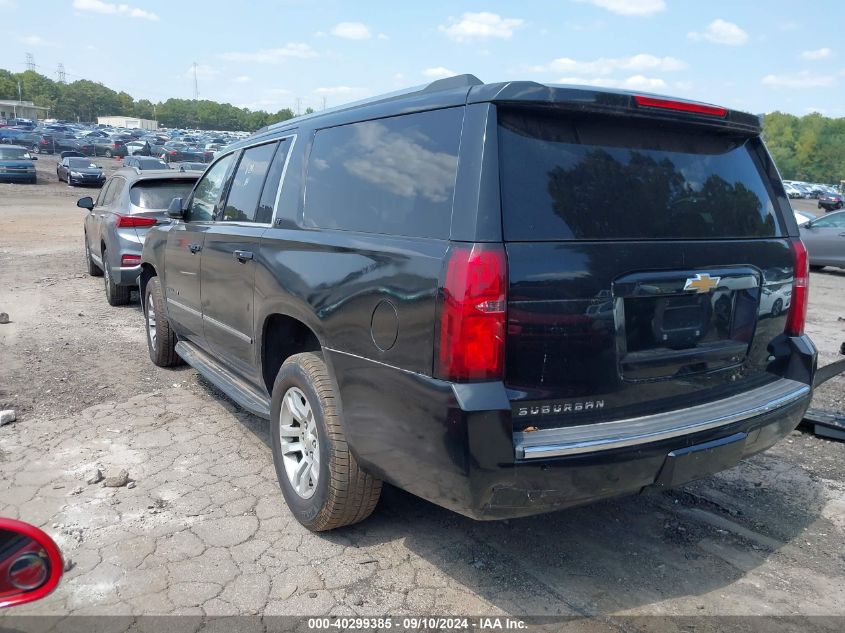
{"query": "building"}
[(21, 110), (128, 122)]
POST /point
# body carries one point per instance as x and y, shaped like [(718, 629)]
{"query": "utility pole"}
[(30, 62), (298, 106), (60, 73), (196, 87), (324, 102)]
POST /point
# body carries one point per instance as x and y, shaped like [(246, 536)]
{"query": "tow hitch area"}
[(694, 462), (823, 423)]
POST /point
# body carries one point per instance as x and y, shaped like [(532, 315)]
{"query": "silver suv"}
[(129, 204)]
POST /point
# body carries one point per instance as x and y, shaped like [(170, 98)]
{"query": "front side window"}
[(393, 176), (242, 202), (208, 190)]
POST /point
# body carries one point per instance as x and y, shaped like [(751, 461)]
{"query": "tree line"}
[(810, 147), (85, 100)]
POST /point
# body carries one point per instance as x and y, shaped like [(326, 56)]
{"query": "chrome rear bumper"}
[(590, 438)]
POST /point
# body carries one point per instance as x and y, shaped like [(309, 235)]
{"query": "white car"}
[(801, 217)]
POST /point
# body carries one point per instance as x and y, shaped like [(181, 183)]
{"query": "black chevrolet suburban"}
[(504, 298)]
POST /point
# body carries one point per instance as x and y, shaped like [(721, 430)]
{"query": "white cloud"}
[(34, 40), (273, 55), (634, 82), (483, 25), (438, 72), (109, 8), (608, 65), (383, 36), (630, 7), (721, 32), (242, 79), (799, 80), (352, 31), (822, 53)]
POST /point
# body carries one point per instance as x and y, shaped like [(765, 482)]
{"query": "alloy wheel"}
[(300, 443)]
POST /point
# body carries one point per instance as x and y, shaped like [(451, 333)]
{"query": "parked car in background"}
[(824, 238), (16, 164), (79, 171), (830, 201), (129, 204), (108, 147), (399, 313), (53, 144), (144, 162), (180, 152), (138, 148), (791, 190)]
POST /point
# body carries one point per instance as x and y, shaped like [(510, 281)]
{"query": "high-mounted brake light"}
[(472, 314), (131, 221), (797, 315), (681, 106)]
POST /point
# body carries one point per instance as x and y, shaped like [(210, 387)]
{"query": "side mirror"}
[(31, 563), (175, 210), (85, 203), (33, 157)]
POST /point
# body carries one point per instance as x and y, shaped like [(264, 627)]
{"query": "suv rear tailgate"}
[(648, 267)]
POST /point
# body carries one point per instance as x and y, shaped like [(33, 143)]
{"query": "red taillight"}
[(130, 260), (173, 153), (680, 106), (472, 317), (800, 289), (131, 221)]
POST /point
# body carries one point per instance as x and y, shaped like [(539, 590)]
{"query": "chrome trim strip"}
[(588, 438), (182, 306), (227, 328), (370, 360)]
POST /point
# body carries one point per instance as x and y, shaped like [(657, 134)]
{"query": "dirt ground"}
[(204, 529)]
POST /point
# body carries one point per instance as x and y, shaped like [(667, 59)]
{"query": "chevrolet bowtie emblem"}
[(701, 283)]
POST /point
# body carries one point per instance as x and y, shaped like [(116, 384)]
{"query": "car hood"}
[(88, 171), (19, 164)]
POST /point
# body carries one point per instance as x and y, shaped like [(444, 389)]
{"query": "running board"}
[(235, 387)]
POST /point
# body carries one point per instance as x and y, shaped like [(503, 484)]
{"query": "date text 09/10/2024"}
[(419, 623)]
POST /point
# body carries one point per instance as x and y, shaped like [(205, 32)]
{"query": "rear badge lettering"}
[(558, 408)]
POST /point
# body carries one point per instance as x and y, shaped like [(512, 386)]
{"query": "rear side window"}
[(264, 215), (114, 190), (394, 176), (245, 190), (157, 194), (565, 179)]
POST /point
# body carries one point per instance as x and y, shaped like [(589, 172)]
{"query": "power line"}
[(30, 62), (60, 73)]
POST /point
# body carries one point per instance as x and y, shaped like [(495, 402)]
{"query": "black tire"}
[(93, 269), (107, 153), (116, 295), (163, 349), (815, 268), (343, 493), (777, 307)]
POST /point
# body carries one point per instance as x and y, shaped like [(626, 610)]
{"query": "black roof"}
[(468, 89)]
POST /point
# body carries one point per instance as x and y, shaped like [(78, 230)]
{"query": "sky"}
[(753, 55)]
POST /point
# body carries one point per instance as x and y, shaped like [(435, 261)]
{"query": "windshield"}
[(574, 179), (80, 163), (13, 153), (157, 194)]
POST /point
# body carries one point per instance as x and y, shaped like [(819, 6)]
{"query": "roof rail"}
[(448, 83)]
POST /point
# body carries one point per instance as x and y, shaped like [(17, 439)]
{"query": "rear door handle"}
[(243, 256), (195, 248)]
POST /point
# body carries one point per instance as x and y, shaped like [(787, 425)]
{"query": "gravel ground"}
[(202, 527)]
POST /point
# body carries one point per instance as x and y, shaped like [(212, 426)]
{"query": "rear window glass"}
[(566, 179), (157, 194), (394, 176)]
